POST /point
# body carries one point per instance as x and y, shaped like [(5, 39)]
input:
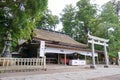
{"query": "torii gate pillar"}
[(93, 55), (106, 56)]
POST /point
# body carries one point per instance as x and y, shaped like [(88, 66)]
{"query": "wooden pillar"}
[(85, 59), (93, 56), (44, 63), (106, 56), (97, 60), (58, 58), (65, 58)]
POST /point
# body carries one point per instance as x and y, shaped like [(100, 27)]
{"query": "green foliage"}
[(68, 19), (19, 17), (114, 44), (109, 20), (108, 13), (76, 20), (48, 20), (86, 13)]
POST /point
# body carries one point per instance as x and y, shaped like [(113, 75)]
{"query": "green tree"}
[(19, 17), (86, 12), (48, 20), (76, 20), (68, 20)]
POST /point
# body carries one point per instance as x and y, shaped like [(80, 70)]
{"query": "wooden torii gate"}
[(100, 41)]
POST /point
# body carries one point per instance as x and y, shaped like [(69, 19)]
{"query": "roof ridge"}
[(51, 30)]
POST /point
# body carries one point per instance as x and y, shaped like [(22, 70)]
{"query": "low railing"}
[(22, 63)]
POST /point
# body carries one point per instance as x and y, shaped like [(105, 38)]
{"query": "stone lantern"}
[(8, 40)]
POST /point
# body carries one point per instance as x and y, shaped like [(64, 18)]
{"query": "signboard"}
[(42, 48), (77, 62)]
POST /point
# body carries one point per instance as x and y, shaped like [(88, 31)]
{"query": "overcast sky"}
[(56, 6)]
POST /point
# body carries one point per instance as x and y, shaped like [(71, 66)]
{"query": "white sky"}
[(56, 6)]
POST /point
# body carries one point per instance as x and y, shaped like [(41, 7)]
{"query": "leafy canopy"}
[(19, 17), (48, 20)]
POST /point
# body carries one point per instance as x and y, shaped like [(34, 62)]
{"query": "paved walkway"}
[(89, 74)]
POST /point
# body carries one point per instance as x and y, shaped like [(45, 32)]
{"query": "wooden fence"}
[(22, 63)]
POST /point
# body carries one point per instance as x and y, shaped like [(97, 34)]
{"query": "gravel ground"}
[(51, 69), (66, 73), (113, 77)]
